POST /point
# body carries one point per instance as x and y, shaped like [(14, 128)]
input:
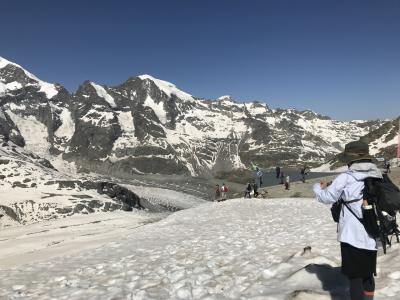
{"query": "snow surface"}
[(168, 88), (238, 249), (40, 241), (34, 132), (67, 127), (158, 109), (48, 88), (101, 92)]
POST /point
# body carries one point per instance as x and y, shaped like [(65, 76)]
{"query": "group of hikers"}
[(285, 178), (221, 192), (251, 187)]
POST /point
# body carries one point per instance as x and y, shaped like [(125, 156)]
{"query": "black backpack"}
[(379, 216)]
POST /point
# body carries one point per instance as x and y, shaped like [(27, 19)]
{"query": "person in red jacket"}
[(224, 191)]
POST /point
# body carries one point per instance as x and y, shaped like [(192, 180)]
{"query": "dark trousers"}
[(362, 288)]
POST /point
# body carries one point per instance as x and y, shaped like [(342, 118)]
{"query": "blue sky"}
[(338, 58)]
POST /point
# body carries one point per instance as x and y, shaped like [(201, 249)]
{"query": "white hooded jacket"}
[(349, 186)]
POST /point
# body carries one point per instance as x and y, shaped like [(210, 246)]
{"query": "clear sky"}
[(337, 57)]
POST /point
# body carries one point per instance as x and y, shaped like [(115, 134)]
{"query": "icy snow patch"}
[(9, 87), (34, 132), (13, 85), (101, 92), (67, 127), (158, 109), (125, 120), (48, 88), (128, 138)]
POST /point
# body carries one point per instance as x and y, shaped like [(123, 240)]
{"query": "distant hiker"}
[(224, 191), (259, 176), (358, 248), (388, 167), (277, 171), (287, 183), (255, 188), (247, 191), (282, 177), (217, 193), (303, 174)]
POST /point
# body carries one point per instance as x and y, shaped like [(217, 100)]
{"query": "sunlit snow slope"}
[(239, 249)]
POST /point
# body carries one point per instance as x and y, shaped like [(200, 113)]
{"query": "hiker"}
[(259, 176), (247, 191), (387, 167), (255, 188), (303, 174), (217, 193), (224, 191), (277, 171), (287, 183), (358, 249), (282, 177)]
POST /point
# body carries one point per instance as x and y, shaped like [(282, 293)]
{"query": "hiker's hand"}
[(323, 184)]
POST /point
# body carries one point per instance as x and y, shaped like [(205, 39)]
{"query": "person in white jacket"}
[(358, 249)]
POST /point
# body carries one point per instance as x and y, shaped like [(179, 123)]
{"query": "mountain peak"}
[(48, 88), (167, 87), (225, 98)]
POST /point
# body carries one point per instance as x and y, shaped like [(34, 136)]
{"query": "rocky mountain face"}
[(383, 141), (146, 125)]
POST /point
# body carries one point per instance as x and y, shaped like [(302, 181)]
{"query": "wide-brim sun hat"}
[(355, 151)]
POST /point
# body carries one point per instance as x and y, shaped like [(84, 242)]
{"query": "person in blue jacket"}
[(358, 249)]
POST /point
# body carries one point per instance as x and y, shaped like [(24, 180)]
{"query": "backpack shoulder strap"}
[(348, 207)]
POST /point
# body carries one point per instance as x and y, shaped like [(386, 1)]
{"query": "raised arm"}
[(331, 193)]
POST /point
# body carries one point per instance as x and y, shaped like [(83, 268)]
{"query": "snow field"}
[(238, 249), (42, 240)]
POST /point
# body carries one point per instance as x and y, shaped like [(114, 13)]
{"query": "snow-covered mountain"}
[(382, 143), (147, 125)]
